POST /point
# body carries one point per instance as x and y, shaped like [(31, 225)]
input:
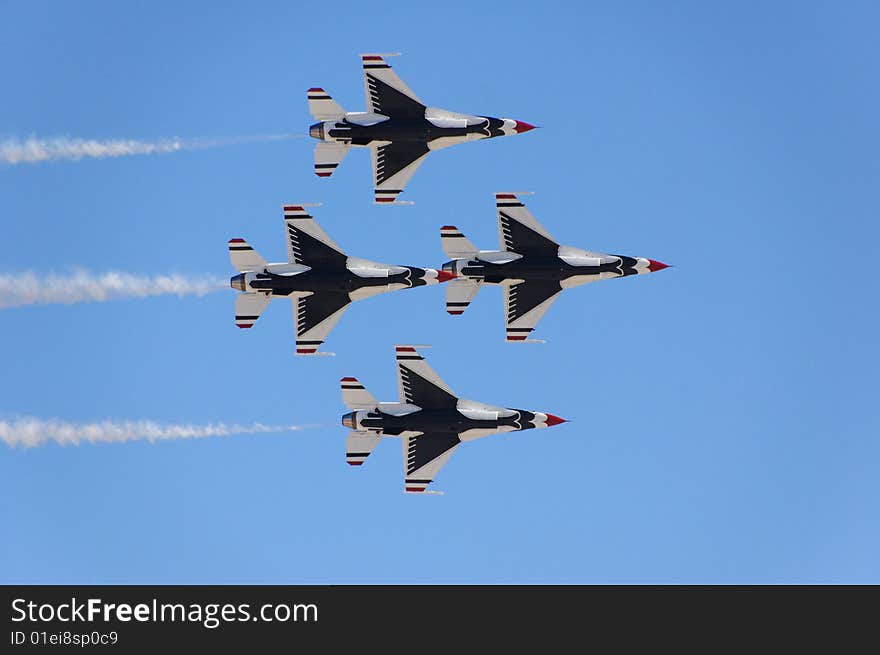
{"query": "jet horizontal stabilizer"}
[(328, 156), (323, 107), (355, 396), (459, 294), (359, 445), (244, 258), (455, 244)]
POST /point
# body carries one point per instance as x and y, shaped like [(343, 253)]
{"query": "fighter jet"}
[(531, 267), (318, 277), (430, 419), (398, 128)]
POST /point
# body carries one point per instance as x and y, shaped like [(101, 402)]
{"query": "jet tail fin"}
[(355, 396), (328, 155), (455, 244), (322, 106), (244, 258)]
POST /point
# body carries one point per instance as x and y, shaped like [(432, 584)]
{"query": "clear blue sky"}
[(725, 424)]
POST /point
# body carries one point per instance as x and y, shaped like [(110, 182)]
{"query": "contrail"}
[(29, 432), (29, 288), (33, 149)]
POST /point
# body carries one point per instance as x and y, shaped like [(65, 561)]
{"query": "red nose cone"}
[(523, 127), (554, 420), (444, 276), (656, 266)]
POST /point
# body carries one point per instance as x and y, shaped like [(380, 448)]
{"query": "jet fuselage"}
[(419, 130), (533, 267), (341, 280), (365, 129), (431, 421)]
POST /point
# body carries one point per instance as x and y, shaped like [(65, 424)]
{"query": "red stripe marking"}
[(323, 174), (418, 489), (306, 351), (236, 241), (405, 349), (245, 325), (355, 463), (449, 227), (292, 208), (505, 195), (348, 380), (516, 337), (455, 312), (383, 199), (371, 58), (316, 89)]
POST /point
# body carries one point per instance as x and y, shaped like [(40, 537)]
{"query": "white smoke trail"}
[(29, 432), (18, 289), (33, 149)]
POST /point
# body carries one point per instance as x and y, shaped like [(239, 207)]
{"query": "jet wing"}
[(424, 456), (418, 384), (307, 243), (394, 164), (518, 231), (526, 303), (386, 93), (314, 316)]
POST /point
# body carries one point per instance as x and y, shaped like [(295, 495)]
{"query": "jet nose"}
[(316, 131), (348, 420), (552, 420), (444, 275), (237, 282), (522, 126), (654, 265)]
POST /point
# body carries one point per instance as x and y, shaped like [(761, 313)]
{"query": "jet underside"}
[(410, 130), (340, 280), (442, 421), (544, 269)]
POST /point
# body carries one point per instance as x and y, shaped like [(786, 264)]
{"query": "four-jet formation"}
[(531, 267), (398, 128), (318, 277), (430, 420)]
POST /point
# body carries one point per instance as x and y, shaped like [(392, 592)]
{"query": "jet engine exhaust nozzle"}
[(316, 131), (237, 282), (348, 420)]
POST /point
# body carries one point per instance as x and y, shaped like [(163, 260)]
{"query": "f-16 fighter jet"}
[(398, 128), (318, 277), (430, 420), (531, 267)]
